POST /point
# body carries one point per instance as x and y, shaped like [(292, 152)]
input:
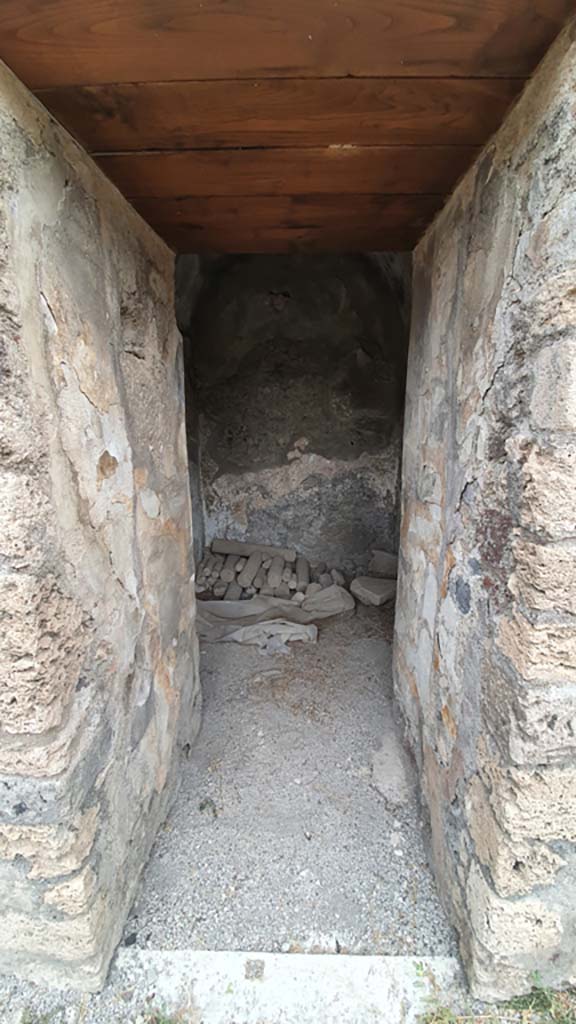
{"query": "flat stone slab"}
[(193, 986), (372, 590)]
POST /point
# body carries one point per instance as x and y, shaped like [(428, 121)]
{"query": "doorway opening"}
[(297, 827)]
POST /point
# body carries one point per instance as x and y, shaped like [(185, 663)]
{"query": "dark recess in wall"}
[(295, 373)]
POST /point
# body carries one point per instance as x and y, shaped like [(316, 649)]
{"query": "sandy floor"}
[(280, 839)]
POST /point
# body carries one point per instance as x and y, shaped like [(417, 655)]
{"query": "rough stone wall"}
[(297, 369), (485, 645), (98, 680)]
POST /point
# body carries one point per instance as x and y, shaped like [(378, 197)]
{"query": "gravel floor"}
[(279, 839)]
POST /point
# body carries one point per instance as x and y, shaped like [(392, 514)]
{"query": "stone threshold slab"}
[(276, 988)]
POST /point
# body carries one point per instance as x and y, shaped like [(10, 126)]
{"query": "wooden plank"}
[(340, 169), (71, 42), (282, 223), (285, 112)]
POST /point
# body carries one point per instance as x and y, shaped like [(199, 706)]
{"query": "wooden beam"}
[(285, 112), (282, 223), (71, 42), (339, 169)]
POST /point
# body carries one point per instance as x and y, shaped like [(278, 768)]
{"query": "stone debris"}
[(237, 571), (275, 572), (260, 578), (240, 547), (383, 564), (302, 574), (248, 574), (229, 571), (371, 590)]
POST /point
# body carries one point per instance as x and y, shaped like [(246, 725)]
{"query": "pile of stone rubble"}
[(235, 570)]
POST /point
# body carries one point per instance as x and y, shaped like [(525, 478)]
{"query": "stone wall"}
[(296, 375), (98, 682), (485, 646)]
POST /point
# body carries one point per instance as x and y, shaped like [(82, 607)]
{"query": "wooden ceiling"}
[(261, 125)]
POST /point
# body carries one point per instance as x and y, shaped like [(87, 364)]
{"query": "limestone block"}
[(510, 929), (545, 578), (313, 588), (260, 578), (373, 591), (233, 592), (73, 938), (540, 650), (338, 577), (325, 580), (275, 572), (549, 490), (555, 375), (384, 564), (220, 589), (282, 590), (241, 563), (286, 574), (229, 570), (238, 547), (23, 502), (248, 574), (538, 803), (43, 642), (516, 866), (302, 574), (50, 850), (73, 896)]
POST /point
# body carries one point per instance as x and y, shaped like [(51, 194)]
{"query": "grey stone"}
[(246, 577), (383, 563), (238, 547), (229, 569), (302, 573), (275, 572), (373, 591)]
